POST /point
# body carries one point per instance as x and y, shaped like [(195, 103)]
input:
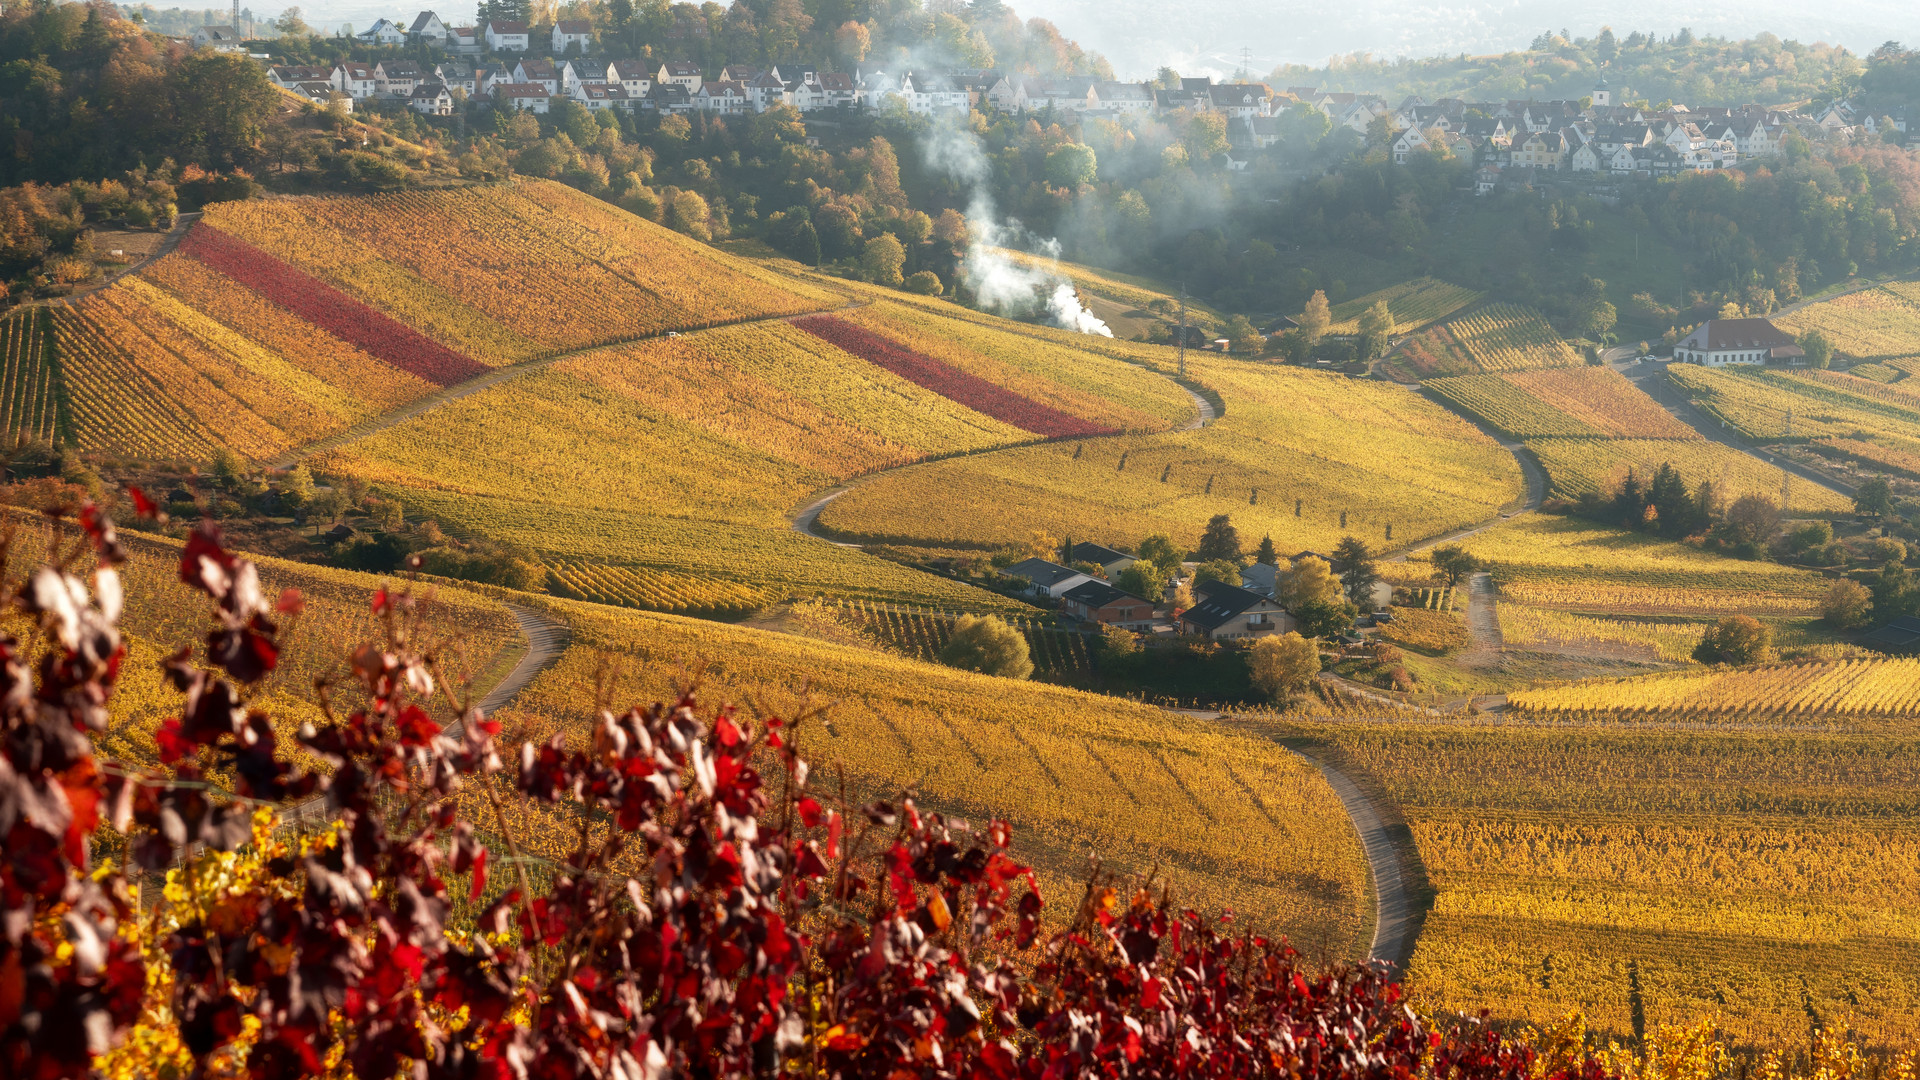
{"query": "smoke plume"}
[(1000, 284)]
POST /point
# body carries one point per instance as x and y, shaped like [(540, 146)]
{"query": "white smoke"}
[(998, 282)]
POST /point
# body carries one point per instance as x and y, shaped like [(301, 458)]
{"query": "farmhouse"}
[(1099, 555), (1719, 342), (1047, 578), (1229, 613), (1097, 601)]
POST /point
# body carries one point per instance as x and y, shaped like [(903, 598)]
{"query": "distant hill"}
[(1199, 36)]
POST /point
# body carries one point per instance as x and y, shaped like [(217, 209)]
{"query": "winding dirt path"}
[(1400, 894), (1483, 622)]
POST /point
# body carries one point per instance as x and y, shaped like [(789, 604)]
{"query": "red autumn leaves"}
[(949, 382), (328, 308)]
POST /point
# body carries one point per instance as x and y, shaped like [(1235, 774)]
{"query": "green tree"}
[(1220, 540), (1873, 498), (925, 282), (1818, 348), (1267, 556), (1283, 666), (230, 470), (1071, 165), (1376, 330), (1219, 570), (1206, 136), (221, 104), (1358, 574), (1117, 644), (1160, 551), (986, 644), (881, 260), (1846, 605), (1452, 564), (1317, 316), (1243, 336), (1736, 639), (1143, 579), (1325, 618)]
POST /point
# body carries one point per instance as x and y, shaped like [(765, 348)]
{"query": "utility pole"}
[(1183, 331), (1786, 477)]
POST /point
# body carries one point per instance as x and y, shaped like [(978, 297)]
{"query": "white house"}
[(356, 80), (398, 76), (506, 36), (538, 72), (1720, 342), (836, 90), (322, 94), (580, 70), (598, 97), (725, 98), (457, 75), (1119, 97), (431, 99), (681, 73), (427, 27), (1047, 578), (217, 38), (634, 75), (463, 39), (383, 32), (1410, 142), (287, 77), (575, 33), (1486, 179), (765, 91), (524, 97), (1588, 158)]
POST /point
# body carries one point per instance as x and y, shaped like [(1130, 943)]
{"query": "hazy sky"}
[(1200, 36), (1207, 35)]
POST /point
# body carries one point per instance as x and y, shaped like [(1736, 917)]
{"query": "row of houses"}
[(1220, 612)]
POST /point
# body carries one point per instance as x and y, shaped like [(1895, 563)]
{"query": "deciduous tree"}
[(1736, 639), (1220, 540), (1283, 666), (985, 643)]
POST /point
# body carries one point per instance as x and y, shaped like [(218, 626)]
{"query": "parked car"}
[(1381, 617)]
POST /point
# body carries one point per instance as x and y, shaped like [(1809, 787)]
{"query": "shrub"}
[(1283, 666), (985, 643), (924, 282), (1846, 605), (1736, 639)]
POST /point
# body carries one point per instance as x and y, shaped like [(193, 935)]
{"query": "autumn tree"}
[(882, 259), (1736, 639), (1317, 317), (1846, 605), (1873, 498), (1452, 564), (1283, 666), (1376, 330), (985, 643)]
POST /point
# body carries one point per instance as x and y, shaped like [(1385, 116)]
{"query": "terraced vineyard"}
[(1577, 565), (1414, 304), (1284, 461), (657, 590), (1798, 694), (1580, 466), (1581, 402), (1508, 337), (1653, 877), (1435, 351), (1073, 772), (1881, 323), (922, 634), (29, 387)]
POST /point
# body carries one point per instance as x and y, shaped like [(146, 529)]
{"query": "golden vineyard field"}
[(1508, 337), (1580, 402), (29, 402), (1658, 876), (1414, 304), (1582, 466), (1072, 771), (1879, 689), (1882, 322), (1282, 461)]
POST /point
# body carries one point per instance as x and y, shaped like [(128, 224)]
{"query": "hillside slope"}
[(280, 321)]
